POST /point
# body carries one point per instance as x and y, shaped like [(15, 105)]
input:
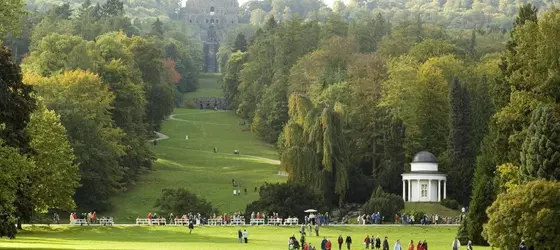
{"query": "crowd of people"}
[(406, 219), (91, 217)]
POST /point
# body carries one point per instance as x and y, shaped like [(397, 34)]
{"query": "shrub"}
[(462, 233), (181, 201), (189, 104), (530, 212), (418, 215), (449, 203), (286, 199), (384, 203)]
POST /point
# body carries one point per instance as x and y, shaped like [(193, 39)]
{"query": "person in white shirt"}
[(245, 236), (398, 245), (456, 244)]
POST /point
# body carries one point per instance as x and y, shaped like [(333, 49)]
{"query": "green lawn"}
[(208, 87), (192, 164), (431, 208), (206, 238)]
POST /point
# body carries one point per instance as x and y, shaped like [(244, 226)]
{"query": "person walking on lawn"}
[(340, 241), (324, 243), (385, 244), (191, 226), (239, 236), (348, 241), (245, 236)]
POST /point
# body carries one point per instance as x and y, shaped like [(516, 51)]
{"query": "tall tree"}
[(231, 78), (315, 149), (15, 167), (11, 13), (540, 154), (54, 178), (157, 28), (94, 138), (16, 105), (240, 43), (461, 150), (149, 57)]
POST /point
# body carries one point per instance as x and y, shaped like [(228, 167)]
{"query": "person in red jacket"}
[(328, 246), (419, 246), (367, 240)]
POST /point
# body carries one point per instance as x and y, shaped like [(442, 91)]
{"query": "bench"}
[(240, 221), (274, 221), (214, 222), (79, 222), (181, 221), (142, 222), (106, 221), (161, 221), (291, 221), (257, 221)]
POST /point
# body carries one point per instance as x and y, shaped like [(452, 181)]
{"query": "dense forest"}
[(83, 89), (349, 102)]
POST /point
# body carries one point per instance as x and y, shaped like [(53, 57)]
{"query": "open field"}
[(208, 87), (193, 165), (206, 238)]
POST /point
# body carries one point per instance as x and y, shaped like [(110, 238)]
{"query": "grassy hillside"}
[(192, 164), (211, 238), (209, 87), (431, 208)]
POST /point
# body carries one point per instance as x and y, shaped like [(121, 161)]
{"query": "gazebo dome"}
[(425, 157)]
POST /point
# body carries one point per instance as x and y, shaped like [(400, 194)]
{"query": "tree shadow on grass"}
[(57, 236)]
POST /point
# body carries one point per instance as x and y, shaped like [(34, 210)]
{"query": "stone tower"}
[(213, 18)]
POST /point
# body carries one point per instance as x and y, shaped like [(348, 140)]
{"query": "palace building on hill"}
[(214, 18)]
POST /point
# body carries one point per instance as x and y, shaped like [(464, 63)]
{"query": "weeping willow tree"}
[(314, 150)]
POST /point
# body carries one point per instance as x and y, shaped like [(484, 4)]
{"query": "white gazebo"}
[(424, 181)]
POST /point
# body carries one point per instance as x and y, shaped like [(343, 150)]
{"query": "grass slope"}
[(209, 86), (192, 164), (431, 208), (206, 238)]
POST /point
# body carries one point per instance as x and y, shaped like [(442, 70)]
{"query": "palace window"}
[(424, 189), (212, 9)]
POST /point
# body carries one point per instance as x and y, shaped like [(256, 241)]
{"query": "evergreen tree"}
[(113, 8), (157, 28), (460, 148), (240, 43), (540, 155)]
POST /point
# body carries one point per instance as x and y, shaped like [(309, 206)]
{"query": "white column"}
[(419, 190), (445, 189), (409, 190), (439, 190), (403, 191), (430, 190)]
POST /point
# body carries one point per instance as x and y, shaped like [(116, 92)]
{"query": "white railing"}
[(106, 221), (78, 222), (274, 221), (239, 221), (291, 221), (257, 222)]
